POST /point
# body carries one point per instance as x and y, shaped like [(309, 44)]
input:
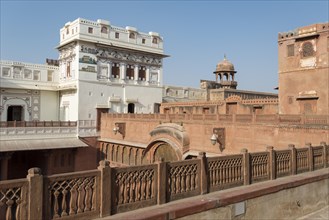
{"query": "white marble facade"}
[(101, 67)]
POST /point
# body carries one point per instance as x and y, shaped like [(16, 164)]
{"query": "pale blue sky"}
[(196, 34)]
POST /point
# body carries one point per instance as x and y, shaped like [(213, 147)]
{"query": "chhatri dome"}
[(225, 66), (225, 72)]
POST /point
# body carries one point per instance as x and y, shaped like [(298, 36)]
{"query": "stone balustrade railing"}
[(233, 118), (110, 190), (14, 129), (6, 124), (79, 123)]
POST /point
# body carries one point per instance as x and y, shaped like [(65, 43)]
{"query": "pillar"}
[(122, 71), (310, 156), (109, 70), (47, 162), (204, 173), (271, 162), (105, 188), (325, 153), (293, 159), (246, 166), (136, 69), (147, 74), (162, 182), (4, 157), (35, 190)]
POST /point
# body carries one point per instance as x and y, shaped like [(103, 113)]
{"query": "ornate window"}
[(142, 73), (132, 35), (6, 71), (117, 35), (27, 73), (130, 72), (308, 49), (50, 76), (90, 30), (115, 70), (155, 40), (17, 72), (104, 30), (36, 75)]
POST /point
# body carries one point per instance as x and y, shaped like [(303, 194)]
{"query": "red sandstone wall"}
[(86, 157), (254, 137), (294, 78)]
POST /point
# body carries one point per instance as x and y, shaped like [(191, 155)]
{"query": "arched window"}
[(131, 108), (104, 30), (155, 40), (308, 49), (132, 36)]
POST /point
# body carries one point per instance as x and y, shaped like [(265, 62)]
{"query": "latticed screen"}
[(308, 50)]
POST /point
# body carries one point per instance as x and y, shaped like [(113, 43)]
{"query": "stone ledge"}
[(197, 204)]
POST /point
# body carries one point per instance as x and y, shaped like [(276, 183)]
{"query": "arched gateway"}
[(168, 141)]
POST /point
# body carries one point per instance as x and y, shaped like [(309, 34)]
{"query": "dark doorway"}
[(15, 113), (131, 108), (156, 108)]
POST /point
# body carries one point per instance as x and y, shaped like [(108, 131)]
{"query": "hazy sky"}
[(196, 34)]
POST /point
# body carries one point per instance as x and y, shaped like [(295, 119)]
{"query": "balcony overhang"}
[(40, 144)]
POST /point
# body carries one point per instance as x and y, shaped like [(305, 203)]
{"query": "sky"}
[(196, 34)]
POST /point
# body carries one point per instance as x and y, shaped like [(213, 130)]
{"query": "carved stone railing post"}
[(310, 156), (293, 159), (105, 188), (246, 166), (203, 174), (325, 153), (162, 182), (271, 162), (35, 190)]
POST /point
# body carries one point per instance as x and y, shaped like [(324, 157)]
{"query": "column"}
[(35, 189), (105, 188), (147, 75), (109, 69), (47, 162), (136, 73), (204, 173), (159, 77), (246, 166), (123, 72), (271, 162), (4, 157), (162, 181)]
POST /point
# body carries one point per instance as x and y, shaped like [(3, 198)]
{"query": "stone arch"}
[(169, 141), (163, 148), (233, 98), (18, 101)]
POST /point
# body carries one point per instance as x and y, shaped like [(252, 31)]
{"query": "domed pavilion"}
[(225, 72)]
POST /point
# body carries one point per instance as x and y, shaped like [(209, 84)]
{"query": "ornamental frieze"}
[(107, 54)]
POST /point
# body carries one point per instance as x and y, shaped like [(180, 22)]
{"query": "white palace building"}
[(101, 68), (50, 113)]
